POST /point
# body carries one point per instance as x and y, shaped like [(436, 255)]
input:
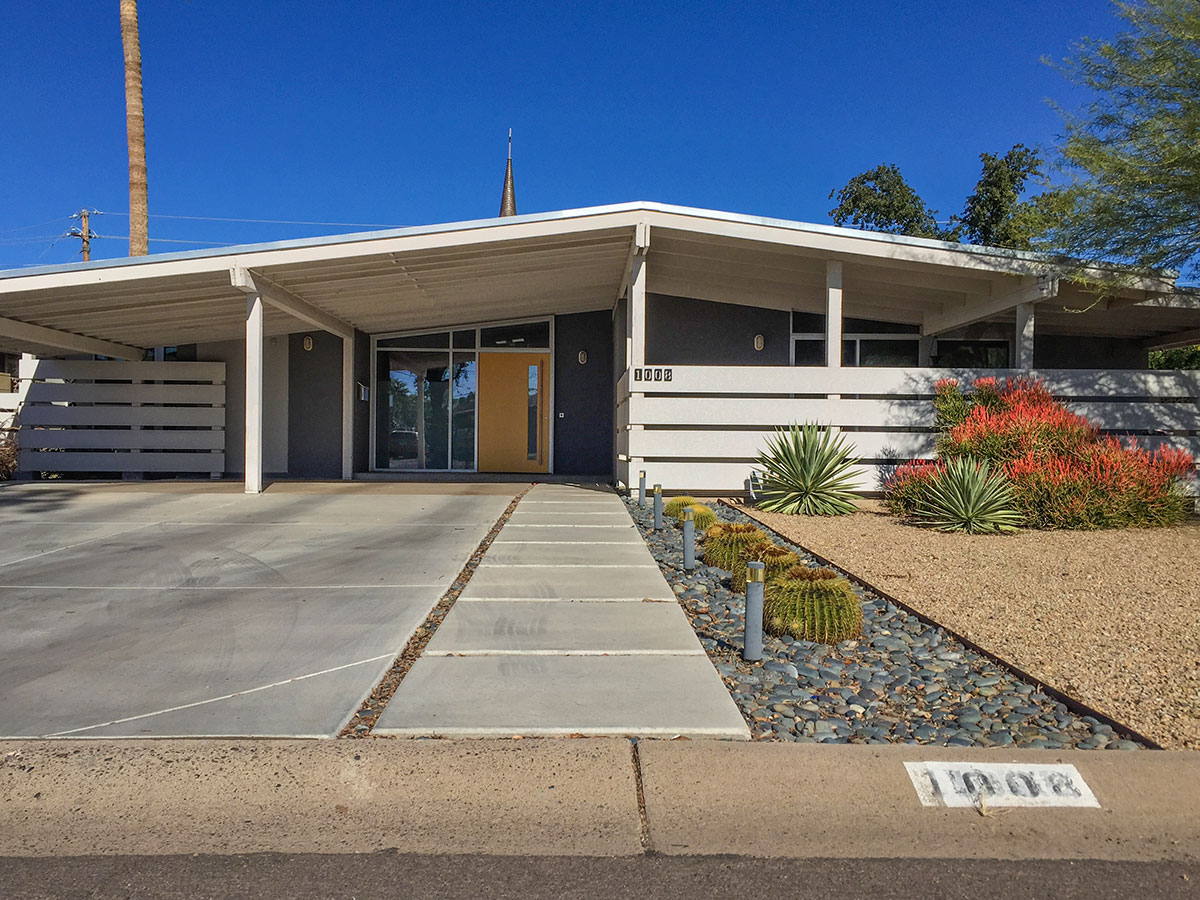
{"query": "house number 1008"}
[(651, 374)]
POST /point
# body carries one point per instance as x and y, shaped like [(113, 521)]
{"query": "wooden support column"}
[(1023, 338), (348, 397), (254, 393)]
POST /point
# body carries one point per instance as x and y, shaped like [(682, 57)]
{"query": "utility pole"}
[(84, 233)]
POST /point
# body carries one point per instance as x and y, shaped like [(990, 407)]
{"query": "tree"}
[(1132, 154), (135, 132), (881, 200), (994, 214)]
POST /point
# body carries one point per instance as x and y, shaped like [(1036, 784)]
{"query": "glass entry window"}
[(474, 398), (425, 405)]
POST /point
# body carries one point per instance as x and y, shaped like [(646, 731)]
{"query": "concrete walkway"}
[(567, 627)]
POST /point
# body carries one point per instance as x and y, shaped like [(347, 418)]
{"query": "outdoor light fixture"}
[(583, 357), (759, 342), (364, 392), (308, 342)]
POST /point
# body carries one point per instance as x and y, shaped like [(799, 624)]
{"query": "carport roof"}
[(517, 266)]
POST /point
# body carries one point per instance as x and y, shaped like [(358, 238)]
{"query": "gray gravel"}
[(902, 681)]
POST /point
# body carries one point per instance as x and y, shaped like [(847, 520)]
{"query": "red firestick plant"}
[(1063, 472)]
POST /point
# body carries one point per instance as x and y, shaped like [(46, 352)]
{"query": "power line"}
[(37, 225), (125, 237), (256, 221)]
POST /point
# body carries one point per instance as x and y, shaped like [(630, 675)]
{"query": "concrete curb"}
[(567, 798)]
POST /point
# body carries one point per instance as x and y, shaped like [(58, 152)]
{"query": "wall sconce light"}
[(307, 342), (759, 342), (364, 392), (583, 357)]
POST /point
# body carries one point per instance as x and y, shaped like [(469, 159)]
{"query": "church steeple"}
[(508, 202)]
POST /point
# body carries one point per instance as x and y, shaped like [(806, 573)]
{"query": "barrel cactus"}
[(775, 560), (675, 506), (703, 516), (824, 610), (722, 549)]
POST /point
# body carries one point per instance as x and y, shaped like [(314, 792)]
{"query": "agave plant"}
[(805, 471), (967, 495)]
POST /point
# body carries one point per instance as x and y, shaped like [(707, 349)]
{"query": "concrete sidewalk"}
[(569, 798), (566, 627)]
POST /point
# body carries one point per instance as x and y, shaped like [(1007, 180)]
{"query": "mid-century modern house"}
[(594, 342)]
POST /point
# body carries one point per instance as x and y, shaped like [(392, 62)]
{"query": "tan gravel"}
[(1109, 617)]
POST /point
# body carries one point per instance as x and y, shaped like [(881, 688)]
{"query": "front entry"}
[(514, 412)]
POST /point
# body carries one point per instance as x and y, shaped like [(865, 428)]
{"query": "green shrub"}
[(822, 610), (805, 471), (966, 495), (702, 516), (674, 507), (722, 547), (774, 558)]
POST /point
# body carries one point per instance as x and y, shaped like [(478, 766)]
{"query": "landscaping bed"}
[(902, 681), (1110, 617)]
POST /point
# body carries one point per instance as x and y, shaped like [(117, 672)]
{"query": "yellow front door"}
[(514, 412)]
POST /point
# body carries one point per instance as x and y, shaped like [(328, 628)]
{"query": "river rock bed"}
[(901, 681)]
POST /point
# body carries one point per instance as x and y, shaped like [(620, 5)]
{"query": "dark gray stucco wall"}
[(681, 332), (583, 394), (1058, 351), (315, 406)]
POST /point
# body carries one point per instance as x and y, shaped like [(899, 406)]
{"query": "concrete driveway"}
[(181, 610)]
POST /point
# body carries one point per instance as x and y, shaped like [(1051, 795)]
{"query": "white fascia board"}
[(256, 256)]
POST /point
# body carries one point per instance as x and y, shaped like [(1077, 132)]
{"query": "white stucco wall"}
[(275, 401)]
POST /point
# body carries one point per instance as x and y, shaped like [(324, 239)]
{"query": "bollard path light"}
[(753, 643), (658, 507), (689, 539), (641, 488)]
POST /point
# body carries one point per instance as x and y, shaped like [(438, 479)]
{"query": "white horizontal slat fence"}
[(91, 416), (700, 428)]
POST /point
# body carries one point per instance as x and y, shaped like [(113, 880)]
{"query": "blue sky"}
[(397, 113)]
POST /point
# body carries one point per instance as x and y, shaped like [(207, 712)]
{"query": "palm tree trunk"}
[(135, 130)]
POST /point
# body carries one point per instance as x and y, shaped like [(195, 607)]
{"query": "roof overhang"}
[(520, 266)]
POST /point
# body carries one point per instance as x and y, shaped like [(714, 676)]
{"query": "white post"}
[(347, 408), (833, 313), (833, 319), (925, 347), (254, 394), (1023, 339), (637, 311)]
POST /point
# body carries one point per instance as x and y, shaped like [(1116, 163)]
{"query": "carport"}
[(349, 286)]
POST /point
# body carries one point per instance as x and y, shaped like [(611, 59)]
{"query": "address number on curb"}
[(999, 784), (652, 374)]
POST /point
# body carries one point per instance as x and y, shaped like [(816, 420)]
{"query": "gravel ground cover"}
[(902, 681), (1109, 617)]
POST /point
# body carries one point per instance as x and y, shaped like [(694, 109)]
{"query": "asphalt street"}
[(271, 876)]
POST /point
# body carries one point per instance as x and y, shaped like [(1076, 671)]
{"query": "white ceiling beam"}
[(253, 283), (66, 340), (1032, 290)]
